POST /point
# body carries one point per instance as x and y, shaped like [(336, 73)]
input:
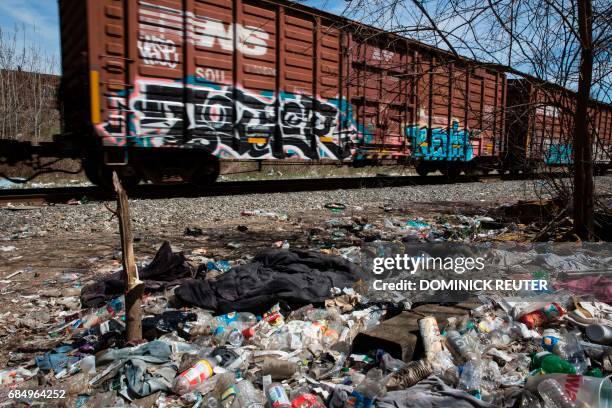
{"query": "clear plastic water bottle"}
[(388, 363), (553, 394), (572, 351), (471, 377), (370, 388), (229, 327), (247, 396)]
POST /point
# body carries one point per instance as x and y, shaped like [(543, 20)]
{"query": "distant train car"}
[(540, 120), (160, 87)]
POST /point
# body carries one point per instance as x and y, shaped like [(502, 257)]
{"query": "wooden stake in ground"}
[(134, 287)]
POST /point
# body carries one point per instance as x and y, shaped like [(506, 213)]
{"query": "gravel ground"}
[(153, 214)]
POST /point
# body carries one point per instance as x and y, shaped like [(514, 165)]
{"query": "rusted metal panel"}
[(252, 79)]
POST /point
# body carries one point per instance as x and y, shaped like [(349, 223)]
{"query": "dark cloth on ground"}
[(295, 277), (166, 270)]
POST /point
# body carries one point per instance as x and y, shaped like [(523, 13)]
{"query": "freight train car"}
[(160, 87), (540, 118)]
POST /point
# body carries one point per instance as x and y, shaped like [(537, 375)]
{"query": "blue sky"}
[(39, 18)]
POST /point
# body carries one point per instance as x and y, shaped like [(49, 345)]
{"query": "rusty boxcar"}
[(154, 87), (540, 119)]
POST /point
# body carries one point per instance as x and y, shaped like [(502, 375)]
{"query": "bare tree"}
[(564, 42), (28, 88)]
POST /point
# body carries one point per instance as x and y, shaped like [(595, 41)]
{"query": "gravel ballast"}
[(91, 217)]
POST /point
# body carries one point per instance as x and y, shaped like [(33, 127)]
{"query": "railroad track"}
[(64, 194), (37, 196)]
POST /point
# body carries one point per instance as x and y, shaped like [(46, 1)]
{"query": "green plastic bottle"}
[(551, 363)]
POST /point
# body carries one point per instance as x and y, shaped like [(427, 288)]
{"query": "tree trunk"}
[(133, 286), (583, 160)]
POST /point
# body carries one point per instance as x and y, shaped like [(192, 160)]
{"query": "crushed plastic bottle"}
[(194, 376), (553, 395), (247, 396), (225, 390), (230, 327), (471, 377), (459, 346), (571, 350), (371, 387), (388, 363)]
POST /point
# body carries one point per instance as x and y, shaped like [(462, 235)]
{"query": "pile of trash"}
[(298, 329)]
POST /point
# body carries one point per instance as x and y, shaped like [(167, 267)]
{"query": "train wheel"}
[(91, 169), (449, 170), (205, 174), (422, 169), (101, 175)]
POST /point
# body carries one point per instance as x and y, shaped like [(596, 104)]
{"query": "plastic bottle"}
[(277, 397), (460, 346), (278, 369), (552, 363), (247, 396), (471, 377), (537, 318), (229, 327), (371, 387), (203, 326), (104, 313), (550, 340), (430, 332), (331, 334), (225, 390), (553, 394), (194, 376), (572, 351), (388, 363)]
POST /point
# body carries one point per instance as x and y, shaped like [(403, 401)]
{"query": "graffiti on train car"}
[(558, 154), (202, 31), (452, 144), (230, 122)]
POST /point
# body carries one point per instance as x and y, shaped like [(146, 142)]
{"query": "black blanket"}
[(167, 269), (295, 277)]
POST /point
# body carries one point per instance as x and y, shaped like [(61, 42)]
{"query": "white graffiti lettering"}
[(158, 50), (209, 74), (207, 32), (382, 55), (202, 31)]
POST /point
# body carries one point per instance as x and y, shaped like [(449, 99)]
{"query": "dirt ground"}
[(41, 277)]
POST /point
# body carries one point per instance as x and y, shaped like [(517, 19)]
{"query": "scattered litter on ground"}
[(298, 328)]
